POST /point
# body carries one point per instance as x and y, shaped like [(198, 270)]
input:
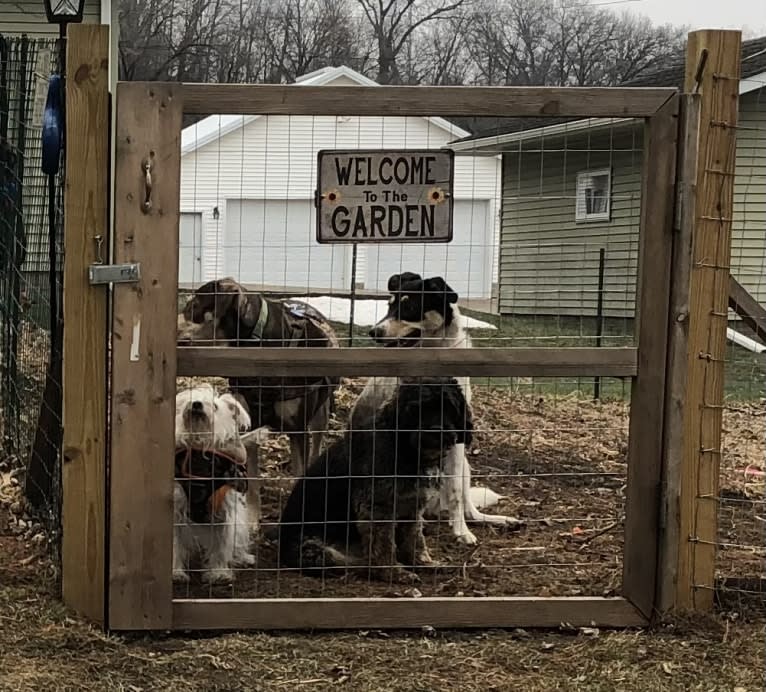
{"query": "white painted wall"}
[(274, 158)]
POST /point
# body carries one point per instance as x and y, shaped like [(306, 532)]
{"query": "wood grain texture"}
[(86, 200), (267, 99), (753, 314), (144, 358), (400, 613), (648, 393), (677, 362), (708, 304), (378, 362)]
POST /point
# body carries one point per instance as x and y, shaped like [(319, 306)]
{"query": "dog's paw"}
[(246, 559), (218, 576), (424, 558), (180, 577), (404, 576), (467, 538)]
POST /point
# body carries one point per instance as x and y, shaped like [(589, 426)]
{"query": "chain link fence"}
[(31, 253)]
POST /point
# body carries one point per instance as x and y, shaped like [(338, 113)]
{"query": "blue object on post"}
[(53, 126)]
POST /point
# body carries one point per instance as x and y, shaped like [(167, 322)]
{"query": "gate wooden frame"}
[(146, 361)]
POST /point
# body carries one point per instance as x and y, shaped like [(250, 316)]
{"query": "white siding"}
[(748, 243), (274, 157), (549, 263)]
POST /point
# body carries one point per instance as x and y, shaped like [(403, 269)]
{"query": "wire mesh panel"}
[(740, 553), (30, 220), (544, 255)]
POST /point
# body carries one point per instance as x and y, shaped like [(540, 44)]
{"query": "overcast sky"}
[(748, 15)]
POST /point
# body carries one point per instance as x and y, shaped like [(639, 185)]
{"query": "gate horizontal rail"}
[(429, 362), (269, 99)]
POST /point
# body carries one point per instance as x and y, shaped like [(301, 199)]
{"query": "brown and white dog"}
[(224, 312), (423, 313), (211, 514)]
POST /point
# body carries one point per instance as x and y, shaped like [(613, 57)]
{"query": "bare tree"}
[(525, 42), (393, 23), (546, 42)]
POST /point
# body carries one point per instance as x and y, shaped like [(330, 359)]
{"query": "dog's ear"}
[(395, 282), (239, 409), (249, 308), (437, 285), (462, 410)]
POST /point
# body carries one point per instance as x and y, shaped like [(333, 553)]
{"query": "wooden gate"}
[(146, 360)]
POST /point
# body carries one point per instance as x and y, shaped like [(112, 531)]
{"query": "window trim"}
[(584, 217)]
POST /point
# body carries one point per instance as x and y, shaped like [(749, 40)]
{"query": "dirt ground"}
[(44, 647), (561, 461)]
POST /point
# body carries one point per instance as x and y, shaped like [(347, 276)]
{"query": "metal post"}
[(599, 315), (353, 297)]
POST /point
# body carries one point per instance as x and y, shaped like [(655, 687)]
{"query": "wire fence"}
[(741, 556), (544, 254), (30, 234)]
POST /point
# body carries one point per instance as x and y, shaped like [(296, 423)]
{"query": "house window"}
[(593, 195)]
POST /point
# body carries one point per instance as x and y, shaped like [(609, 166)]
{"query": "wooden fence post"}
[(85, 322), (713, 71), (146, 198)]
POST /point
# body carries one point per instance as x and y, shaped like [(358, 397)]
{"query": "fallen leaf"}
[(667, 668)]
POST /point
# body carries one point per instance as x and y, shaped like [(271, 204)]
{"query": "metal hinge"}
[(114, 273)]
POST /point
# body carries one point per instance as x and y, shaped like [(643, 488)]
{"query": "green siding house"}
[(572, 188)]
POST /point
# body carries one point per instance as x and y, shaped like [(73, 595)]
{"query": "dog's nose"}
[(376, 333), (197, 407)]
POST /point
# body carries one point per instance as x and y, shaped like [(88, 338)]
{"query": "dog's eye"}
[(215, 406)]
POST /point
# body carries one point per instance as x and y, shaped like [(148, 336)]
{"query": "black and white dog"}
[(224, 312), (211, 515), (423, 313), (361, 504)]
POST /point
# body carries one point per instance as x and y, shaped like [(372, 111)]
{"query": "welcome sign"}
[(382, 196)]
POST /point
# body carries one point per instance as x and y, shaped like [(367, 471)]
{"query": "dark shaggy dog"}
[(423, 313), (224, 311), (361, 504)]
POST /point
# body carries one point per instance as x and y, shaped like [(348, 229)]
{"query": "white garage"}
[(466, 262), (190, 249), (247, 191), (270, 242)]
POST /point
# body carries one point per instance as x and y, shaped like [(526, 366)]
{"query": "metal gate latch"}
[(114, 273)]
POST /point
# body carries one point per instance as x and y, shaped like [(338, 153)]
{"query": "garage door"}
[(190, 249), (465, 263), (273, 243)]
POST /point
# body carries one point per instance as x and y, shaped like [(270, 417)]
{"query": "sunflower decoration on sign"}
[(332, 196), (436, 195)]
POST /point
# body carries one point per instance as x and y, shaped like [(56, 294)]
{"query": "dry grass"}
[(45, 647)]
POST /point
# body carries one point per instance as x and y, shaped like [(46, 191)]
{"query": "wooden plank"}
[(708, 308), (400, 613), (270, 99), (355, 362), (86, 203), (675, 399), (753, 314), (144, 358), (648, 394)]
